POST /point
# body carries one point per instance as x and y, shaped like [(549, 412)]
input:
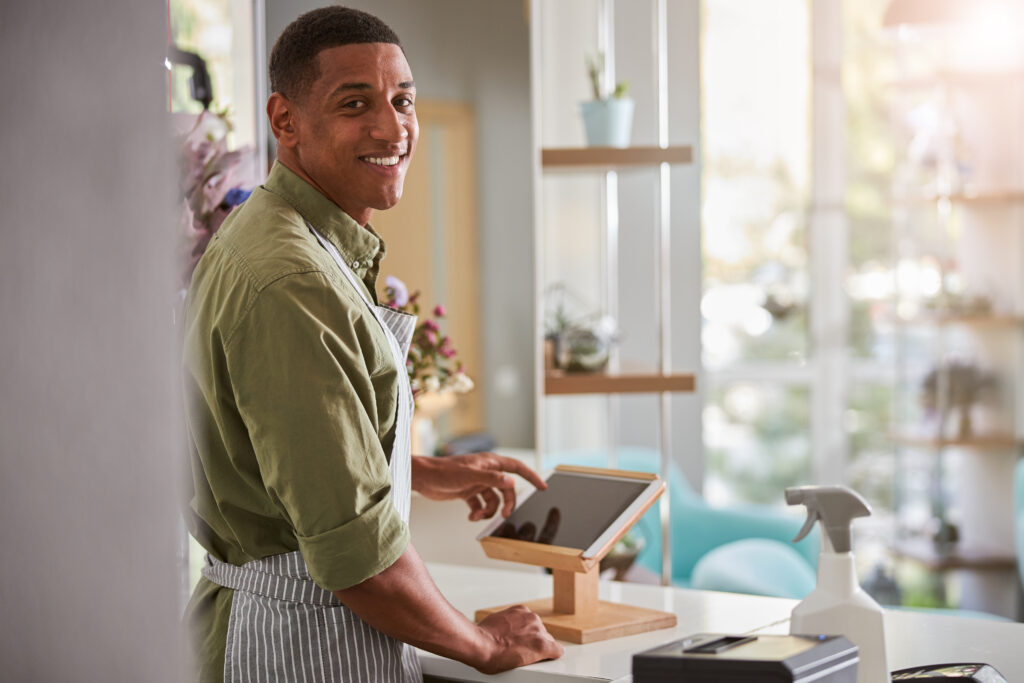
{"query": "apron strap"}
[(398, 328), (280, 577)]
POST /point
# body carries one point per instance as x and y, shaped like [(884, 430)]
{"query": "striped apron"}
[(283, 626)]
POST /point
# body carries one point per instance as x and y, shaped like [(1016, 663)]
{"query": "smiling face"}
[(354, 132)]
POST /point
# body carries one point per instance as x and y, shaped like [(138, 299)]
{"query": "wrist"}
[(420, 470), (483, 650)]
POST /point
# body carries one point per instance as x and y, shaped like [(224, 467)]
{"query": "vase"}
[(608, 123), (430, 405)]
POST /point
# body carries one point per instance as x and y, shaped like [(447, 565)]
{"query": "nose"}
[(390, 125)]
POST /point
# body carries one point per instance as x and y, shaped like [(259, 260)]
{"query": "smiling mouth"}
[(383, 161)]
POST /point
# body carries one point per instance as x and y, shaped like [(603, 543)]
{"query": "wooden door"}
[(431, 237)]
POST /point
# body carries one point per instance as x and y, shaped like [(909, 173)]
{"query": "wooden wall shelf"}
[(559, 383), (923, 550), (988, 443), (980, 319), (963, 79), (611, 157), (1001, 197)]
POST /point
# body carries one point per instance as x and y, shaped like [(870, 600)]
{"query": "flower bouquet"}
[(431, 363), (212, 180)]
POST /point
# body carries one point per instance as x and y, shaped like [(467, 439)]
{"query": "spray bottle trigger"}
[(812, 517)]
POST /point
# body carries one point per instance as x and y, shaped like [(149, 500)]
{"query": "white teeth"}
[(382, 161)]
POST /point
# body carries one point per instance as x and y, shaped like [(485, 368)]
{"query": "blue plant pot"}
[(608, 123)]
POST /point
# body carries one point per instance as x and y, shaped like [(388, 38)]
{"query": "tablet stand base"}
[(576, 615)]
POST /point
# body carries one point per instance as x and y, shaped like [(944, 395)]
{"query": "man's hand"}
[(404, 602), (520, 639), (480, 479)]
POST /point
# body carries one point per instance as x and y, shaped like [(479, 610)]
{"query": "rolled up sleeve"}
[(300, 363)]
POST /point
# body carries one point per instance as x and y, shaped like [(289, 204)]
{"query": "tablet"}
[(582, 508)]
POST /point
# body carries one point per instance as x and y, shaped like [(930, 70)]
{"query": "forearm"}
[(403, 602), (421, 468)]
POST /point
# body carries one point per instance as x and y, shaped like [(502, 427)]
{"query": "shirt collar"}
[(361, 247)]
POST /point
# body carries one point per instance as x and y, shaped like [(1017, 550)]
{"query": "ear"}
[(282, 114)]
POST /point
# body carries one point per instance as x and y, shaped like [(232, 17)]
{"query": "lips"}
[(388, 159), (382, 161)]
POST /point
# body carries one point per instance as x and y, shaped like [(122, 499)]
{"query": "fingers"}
[(476, 507), (507, 500), (517, 467), (510, 501), (522, 637), (491, 502), (479, 478)]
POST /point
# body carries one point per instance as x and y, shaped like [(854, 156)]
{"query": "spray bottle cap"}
[(834, 506)]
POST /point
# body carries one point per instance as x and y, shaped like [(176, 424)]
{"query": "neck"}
[(288, 160)]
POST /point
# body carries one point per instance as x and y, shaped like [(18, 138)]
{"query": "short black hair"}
[(293, 63)]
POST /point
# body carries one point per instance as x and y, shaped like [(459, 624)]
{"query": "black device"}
[(720, 658), (980, 673), (577, 510), (199, 82)]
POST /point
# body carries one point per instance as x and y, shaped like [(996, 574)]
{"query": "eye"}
[(353, 104), (403, 101)]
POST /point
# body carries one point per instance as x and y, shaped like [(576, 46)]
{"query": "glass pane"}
[(869, 425), (870, 159), (219, 31), (755, 62), (757, 441)]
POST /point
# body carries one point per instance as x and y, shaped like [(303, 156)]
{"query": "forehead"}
[(379, 65)]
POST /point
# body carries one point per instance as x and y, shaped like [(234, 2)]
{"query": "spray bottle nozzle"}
[(834, 506)]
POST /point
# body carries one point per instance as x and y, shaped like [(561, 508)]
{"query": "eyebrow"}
[(404, 85)]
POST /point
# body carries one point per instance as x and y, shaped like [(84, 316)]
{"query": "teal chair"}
[(741, 549)]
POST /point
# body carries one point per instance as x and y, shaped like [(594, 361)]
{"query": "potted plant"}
[(608, 118)]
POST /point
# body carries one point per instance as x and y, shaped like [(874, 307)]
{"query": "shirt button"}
[(355, 264)]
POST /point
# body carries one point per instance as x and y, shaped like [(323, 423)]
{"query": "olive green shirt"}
[(292, 395)]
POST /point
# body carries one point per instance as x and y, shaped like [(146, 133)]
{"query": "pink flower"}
[(431, 337), (447, 351), (431, 325), (397, 291), (439, 311)]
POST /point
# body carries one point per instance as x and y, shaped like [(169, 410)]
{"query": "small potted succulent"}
[(608, 118), (955, 385)]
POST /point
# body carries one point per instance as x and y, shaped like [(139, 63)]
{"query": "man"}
[(300, 406)]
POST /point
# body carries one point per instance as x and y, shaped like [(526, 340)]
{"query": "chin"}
[(388, 202)]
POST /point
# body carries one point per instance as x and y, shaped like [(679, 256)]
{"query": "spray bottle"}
[(838, 605)]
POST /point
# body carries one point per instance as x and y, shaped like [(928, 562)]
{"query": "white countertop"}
[(912, 638)]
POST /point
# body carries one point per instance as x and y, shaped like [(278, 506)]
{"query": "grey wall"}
[(88, 429), (478, 52)]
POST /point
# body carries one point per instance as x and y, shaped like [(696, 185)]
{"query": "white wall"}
[(477, 52), (89, 447)]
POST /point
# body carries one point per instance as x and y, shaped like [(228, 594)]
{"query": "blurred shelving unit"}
[(958, 214), (603, 166)]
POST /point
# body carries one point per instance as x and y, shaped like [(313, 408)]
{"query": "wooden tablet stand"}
[(574, 613)]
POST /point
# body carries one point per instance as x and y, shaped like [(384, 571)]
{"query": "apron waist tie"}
[(280, 577)]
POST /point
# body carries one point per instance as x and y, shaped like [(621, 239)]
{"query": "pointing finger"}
[(520, 468)]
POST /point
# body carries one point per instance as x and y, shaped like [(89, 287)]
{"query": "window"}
[(756, 341), (221, 32)]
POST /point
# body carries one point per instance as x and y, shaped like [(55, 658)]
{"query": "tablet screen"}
[(573, 511)]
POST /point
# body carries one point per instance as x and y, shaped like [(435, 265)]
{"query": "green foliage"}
[(769, 448), (595, 72)]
